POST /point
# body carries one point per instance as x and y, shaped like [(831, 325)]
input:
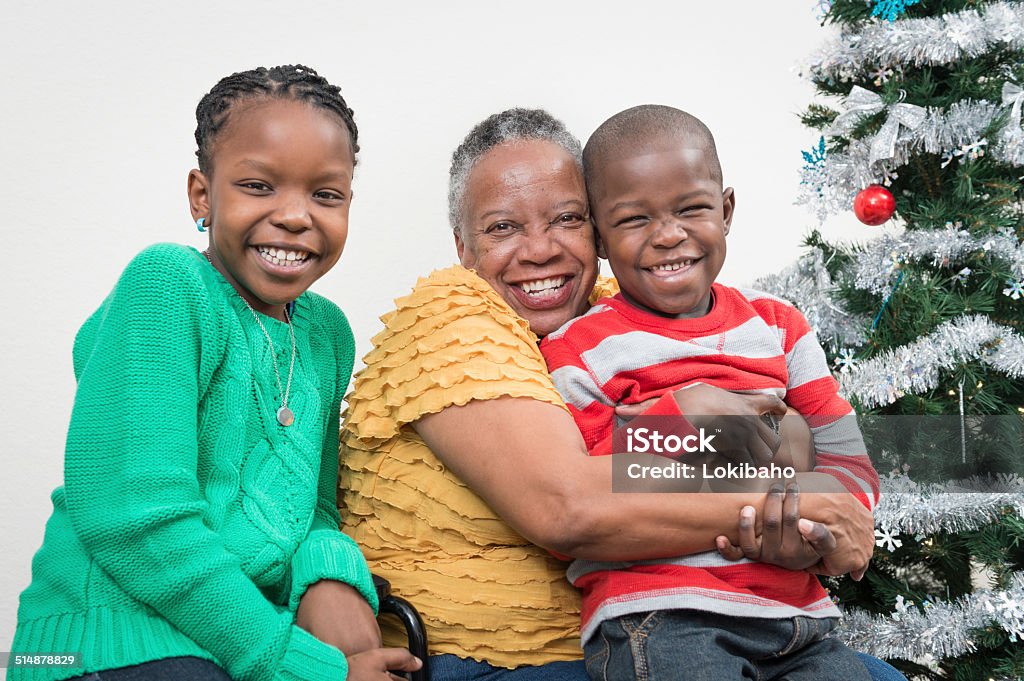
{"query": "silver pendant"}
[(285, 416)]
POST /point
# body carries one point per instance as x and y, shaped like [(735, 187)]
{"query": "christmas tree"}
[(920, 122)]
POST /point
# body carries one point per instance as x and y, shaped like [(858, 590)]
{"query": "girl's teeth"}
[(280, 256)]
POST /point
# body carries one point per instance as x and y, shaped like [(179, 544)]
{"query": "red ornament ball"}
[(874, 205)]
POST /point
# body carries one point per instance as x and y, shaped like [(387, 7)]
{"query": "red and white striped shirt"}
[(749, 341)]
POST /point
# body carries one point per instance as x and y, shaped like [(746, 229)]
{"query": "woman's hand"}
[(843, 541), (376, 665), (846, 518), (743, 435), (337, 614)]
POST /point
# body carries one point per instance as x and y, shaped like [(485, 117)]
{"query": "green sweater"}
[(190, 522)]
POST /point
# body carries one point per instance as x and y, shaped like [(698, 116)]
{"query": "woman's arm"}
[(527, 460)]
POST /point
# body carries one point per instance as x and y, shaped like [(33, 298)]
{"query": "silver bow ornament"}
[(1013, 96), (861, 103), (1012, 137)]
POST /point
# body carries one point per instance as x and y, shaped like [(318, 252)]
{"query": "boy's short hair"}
[(638, 127)]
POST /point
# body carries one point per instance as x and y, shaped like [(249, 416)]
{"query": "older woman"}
[(459, 459)]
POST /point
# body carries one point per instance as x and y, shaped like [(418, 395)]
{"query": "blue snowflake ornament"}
[(815, 158), (823, 7), (890, 10), (845, 361), (1014, 289)]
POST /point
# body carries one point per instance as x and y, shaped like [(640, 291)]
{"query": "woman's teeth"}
[(281, 257), (541, 285), (672, 267)]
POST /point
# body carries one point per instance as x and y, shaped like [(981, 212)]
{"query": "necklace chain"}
[(273, 352), (285, 416)]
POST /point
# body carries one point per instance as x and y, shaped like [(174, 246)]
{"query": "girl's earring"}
[(201, 224)]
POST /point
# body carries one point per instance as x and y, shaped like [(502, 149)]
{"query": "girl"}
[(196, 531)]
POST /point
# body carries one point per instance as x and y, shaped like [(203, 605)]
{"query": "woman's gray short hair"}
[(510, 125)]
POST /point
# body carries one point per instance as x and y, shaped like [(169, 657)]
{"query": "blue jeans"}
[(168, 669), (452, 668), (689, 645)]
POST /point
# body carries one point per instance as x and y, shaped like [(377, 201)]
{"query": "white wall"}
[(98, 114)]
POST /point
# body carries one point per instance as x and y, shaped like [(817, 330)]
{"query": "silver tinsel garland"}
[(875, 267), (914, 368), (906, 507), (828, 187), (938, 629), (930, 41), (807, 284)]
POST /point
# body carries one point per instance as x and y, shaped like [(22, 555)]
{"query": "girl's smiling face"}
[(276, 199)]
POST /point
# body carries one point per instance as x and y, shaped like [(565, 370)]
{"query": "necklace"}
[(285, 416)]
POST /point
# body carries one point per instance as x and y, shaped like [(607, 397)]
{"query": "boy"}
[(662, 215)]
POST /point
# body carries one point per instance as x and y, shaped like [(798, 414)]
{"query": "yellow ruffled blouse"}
[(483, 590)]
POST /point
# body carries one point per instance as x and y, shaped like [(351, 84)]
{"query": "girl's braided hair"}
[(280, 82)]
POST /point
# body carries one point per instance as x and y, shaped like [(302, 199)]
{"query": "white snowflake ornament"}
[(1014, 289), (888, 539), (845, 361)]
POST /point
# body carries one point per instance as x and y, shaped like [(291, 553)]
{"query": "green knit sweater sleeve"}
[(327, 553), (131, 473)]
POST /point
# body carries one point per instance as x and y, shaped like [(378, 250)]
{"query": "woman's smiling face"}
[(526, 231)]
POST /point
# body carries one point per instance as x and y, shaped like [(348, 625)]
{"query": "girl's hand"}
[(786, 540), (376, 665), (337, 614)]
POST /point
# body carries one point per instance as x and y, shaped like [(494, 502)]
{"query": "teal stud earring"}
[(200, 224)]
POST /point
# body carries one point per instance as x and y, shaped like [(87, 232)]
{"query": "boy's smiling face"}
[(662, 217)]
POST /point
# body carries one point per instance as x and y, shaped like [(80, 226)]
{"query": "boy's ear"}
[(198, 194), (728, 206), (601, 252)]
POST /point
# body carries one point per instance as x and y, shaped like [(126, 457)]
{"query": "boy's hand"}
[(786, 540), (843, 540), (631, 411), (337, 614), (376, 665)]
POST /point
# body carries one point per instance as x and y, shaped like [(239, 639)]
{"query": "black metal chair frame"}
[(410, 619)]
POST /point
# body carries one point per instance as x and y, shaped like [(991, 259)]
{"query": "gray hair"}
[(511, 125)]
